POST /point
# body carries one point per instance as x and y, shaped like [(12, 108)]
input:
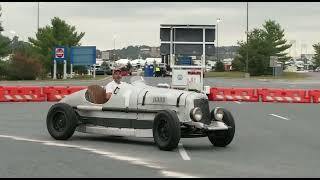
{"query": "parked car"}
[(139, 110), (100, 70)]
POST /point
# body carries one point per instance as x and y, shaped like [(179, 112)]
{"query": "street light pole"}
[(218, 20), (247, 41), (38, 16), (114, 47), (13, 35)]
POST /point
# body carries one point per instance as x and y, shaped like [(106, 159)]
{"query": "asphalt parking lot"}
[(271, 140)]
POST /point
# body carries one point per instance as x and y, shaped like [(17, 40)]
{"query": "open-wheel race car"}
[(139, 110)]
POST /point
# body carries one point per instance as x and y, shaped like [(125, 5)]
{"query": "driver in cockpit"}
[(111, 86)]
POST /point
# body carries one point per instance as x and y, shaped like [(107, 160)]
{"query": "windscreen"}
[(137, 80)]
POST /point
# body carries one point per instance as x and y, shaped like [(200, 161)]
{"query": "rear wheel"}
[(61, 121), (166, 130), (222, 138)]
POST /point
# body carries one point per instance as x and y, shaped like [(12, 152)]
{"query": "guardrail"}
[(56, 93), (36, 93), (264, 95)]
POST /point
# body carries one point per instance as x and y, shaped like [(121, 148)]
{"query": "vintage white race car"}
[(140, 110)]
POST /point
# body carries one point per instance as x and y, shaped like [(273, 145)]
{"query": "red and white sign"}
[(59, 53)]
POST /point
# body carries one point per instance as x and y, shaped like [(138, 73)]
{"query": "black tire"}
[(222, 138), (166, 130), (61, 121)]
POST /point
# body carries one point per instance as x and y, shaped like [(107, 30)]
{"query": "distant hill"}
[(134, 52), (227, 51)]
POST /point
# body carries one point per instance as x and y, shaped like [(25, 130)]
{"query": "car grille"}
[(204, 105)]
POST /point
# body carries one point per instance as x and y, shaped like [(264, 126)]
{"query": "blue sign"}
[(60, 53), (83, 55)]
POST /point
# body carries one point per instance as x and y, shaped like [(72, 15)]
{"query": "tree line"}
[(33, 59)]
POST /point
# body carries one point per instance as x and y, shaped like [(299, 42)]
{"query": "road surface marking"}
[(183, 152), (175, 174), (237, 102), (279, 116), (102, 152)]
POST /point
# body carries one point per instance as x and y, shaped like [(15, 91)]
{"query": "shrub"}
[(219, 66), (23, 67)]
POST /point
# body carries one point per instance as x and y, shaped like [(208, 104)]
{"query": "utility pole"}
[(38, 16), (114, 47), (247, 75), (218, 20), (217, 42), (247, 41)]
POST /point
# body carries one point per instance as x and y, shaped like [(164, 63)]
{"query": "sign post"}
[(64, 69), (94, 71), (54, 69), (60, 54), (71, 70), (273, 63)]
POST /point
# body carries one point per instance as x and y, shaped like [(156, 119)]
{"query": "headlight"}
[(218, 114), (196, 114)]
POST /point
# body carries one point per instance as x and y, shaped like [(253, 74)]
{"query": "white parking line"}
[(175, 174), (113, 155), (279, 116), (183, 152), (237, 102)]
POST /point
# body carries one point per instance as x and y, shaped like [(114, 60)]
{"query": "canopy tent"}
[(122, 62), (151, 60), (136, 62)]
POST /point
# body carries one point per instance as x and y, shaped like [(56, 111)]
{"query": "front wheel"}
[(61, 121), (166, 130), (222, 138)]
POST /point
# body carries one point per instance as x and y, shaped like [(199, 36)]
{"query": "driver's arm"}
[(108, 95), (108, 90)]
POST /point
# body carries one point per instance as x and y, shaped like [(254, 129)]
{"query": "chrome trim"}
[(106, 131), (89, 108)]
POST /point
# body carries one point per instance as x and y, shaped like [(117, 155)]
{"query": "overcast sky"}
[(138, 23)]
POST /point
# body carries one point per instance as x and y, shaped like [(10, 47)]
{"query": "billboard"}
[(83, 55), (187, 35), (188, 49), (105, 55), (188, 39)]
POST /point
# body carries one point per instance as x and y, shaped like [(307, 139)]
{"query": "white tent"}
[(151, 60), (122, 62), (99, 62), (136, 62)]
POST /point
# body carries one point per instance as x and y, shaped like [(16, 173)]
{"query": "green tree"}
[(316, 57), (3, 69), (262, 43), (129, 66), (4, 41), (4, 46), (1, 28), (274, 35), (105, 65), (58, 34), (4, 51), (219, 66)]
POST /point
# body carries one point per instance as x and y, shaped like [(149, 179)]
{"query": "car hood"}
[(163, 96)]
